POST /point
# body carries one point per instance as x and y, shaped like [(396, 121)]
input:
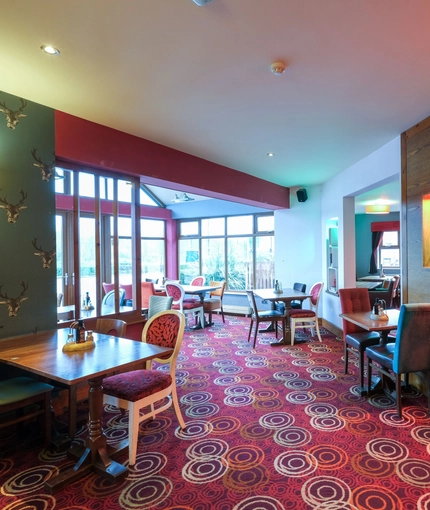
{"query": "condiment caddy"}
[(378, 311), (79, 339)]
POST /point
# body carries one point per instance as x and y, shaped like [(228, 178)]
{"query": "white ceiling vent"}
[(201, 3)]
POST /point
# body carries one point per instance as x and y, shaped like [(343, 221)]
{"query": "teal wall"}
[(35, 130), (363, 239)]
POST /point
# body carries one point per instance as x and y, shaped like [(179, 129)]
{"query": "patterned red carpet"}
[(267, 429)]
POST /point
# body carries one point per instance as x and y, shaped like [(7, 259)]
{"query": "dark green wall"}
[(18, 263), (363, 238)]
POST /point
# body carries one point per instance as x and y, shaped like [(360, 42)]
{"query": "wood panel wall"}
[(415, 182)]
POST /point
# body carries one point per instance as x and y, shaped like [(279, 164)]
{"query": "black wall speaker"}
[(302, 196)]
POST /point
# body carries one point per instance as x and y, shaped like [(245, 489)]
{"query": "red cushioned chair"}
[(355, 338), (189, 307), (307, 318), (148, 290), (136, 390)]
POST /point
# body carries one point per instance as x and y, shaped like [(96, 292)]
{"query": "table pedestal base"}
[(95, 455)]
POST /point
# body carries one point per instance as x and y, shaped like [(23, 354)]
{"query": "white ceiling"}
[(198, 79)]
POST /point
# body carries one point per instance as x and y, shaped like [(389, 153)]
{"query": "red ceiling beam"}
[(87, 143)]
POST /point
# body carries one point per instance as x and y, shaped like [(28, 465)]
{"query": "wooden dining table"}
[(364, 321), (287, 296), (42, 355), (196, 290)]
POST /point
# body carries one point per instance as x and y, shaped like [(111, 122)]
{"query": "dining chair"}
[(109, 298), (138, 389), (356, 339), (188, 307), (409, 353), (307, 318), (148, 290), (198, 281), (159, 304), (116, 327), (385, 293), (296, 304), (214, 301), (19, 394), (258, 316)]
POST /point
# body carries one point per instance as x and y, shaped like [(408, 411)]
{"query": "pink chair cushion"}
[(135, 385), (187, 306), (173, 291), (298, 313)]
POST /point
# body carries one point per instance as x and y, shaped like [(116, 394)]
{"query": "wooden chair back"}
[(117, 327)]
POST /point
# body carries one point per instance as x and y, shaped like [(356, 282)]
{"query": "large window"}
[(102, 243), (238, 249), (389, 250)]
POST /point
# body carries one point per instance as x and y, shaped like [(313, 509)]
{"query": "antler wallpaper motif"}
[(21, 150), (13, 210), (13, 116)]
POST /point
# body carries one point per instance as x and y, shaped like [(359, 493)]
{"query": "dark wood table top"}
[(363, 320), (42, 354)]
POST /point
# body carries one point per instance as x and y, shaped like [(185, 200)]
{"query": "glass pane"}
[(264, 263), (86, 185), (87, 257), (213, 259), (189, 266), (152, 228), (145, 199), (189, 228), (390, 257), (153, 259), (213, 227), (124, 261), (390, 239), (59, 180), (124, 226), (238, 225), (59, 256), (124, 191), (266, 223), (240, 273)]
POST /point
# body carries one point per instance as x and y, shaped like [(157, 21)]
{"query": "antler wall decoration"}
[(12, 210), (47, 170), (47, 256), (12, 117), (14, 304)]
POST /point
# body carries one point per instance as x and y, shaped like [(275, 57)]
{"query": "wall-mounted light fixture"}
[(377, 209)]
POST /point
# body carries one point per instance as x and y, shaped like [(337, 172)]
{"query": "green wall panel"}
[(18, 262)]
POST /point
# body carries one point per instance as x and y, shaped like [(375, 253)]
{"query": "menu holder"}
[(383, 317), (81, 346)]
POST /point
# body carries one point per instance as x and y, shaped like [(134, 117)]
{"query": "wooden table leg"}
[(94, 456)]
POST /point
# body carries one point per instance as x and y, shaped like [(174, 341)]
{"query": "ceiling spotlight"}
[(201, 3), (50, 49), (278, 68), (270, 154), (182, 197)]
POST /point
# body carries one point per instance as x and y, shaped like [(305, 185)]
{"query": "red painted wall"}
[(84, 142)]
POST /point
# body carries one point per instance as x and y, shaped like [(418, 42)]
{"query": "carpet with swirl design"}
[(270, 428)]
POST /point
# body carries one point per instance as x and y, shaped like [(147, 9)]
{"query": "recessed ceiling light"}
[(47, 48), (270, 154)]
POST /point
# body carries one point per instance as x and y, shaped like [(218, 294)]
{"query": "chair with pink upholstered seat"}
[(188, 307), (138, 389), (307, 318)]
